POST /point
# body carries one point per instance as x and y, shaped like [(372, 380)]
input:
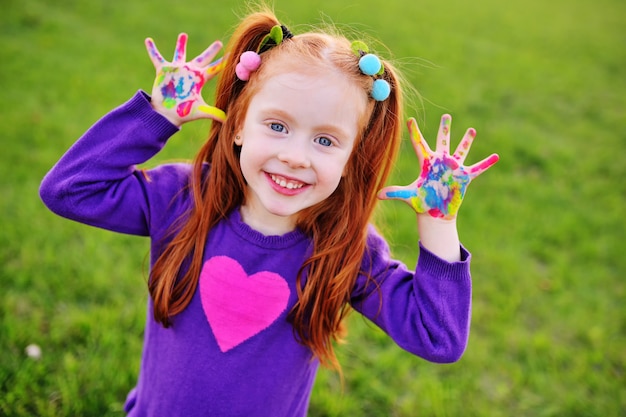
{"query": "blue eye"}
[(277, 127), (324, 141)]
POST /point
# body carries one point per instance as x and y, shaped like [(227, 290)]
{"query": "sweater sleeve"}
[(426, 312), (96, 181)]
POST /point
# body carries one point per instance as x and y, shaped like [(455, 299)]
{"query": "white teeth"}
[(286, 184)]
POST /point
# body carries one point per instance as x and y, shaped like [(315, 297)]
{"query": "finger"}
[(215, 67), (443, 137), (480, 167), (408, 194), (204, 111), (153, 52), (211, 112), (422, 150), (396, 192), (181, 49), (464, 146), (209, 53)]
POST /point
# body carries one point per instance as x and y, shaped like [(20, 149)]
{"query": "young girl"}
[(261, 246)]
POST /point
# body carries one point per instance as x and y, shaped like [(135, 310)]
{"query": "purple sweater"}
[(232, 352)]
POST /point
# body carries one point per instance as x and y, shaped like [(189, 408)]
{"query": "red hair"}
[(337, 225)]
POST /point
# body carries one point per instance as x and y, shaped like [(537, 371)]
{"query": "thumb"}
[(395, 192), (211, 112)]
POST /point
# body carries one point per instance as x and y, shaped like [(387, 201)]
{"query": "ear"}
[(238, 139)]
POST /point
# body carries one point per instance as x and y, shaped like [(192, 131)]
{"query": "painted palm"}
[(443, 181), (178, 84)]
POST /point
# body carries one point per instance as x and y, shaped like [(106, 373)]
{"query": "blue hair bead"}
[(380, 90), (369, 64)]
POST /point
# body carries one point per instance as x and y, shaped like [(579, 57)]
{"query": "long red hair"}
[(337, 225)]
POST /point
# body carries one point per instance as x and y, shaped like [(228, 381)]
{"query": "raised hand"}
[(176, 92), (441, 186)]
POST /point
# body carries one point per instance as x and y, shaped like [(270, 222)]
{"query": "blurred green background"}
[(544, 84)]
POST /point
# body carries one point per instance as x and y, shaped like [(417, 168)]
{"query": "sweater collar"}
[(245, 232)]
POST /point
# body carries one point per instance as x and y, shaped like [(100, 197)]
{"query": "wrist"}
[(427, 218), (440, 236), (166, 114)]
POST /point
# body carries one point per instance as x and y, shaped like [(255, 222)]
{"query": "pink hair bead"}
[(249, 61)]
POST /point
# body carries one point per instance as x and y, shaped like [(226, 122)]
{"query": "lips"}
[(285, 185)]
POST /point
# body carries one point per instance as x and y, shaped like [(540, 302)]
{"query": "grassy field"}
[(543, 82)]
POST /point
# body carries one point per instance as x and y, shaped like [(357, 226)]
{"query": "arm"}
[(96, 181), (426, 312)]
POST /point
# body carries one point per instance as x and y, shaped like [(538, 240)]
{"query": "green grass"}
[(544, 83)]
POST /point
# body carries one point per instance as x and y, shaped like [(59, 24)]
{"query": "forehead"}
[(324, 90)]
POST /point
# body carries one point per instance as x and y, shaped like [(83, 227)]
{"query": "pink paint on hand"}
[(183, 109), (181, 46), (483, 165)]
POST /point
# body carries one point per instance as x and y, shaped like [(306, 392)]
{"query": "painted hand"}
[(441, 186), (176, 92)]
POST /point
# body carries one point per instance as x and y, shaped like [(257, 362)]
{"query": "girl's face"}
[(296, 139)]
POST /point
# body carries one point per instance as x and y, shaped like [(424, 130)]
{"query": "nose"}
[(295, 154)]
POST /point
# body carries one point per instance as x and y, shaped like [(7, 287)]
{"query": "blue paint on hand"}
[(402, 194)]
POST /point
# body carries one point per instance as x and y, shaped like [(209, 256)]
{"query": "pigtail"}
[(247, 37), (339, 225), (174, 276)]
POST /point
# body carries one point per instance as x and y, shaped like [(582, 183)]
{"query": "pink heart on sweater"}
[(238, 306)]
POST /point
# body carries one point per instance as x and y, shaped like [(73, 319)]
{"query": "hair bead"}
[(380, 90), (369, 64), (249, 62)]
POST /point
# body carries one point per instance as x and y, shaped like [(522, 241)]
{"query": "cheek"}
[(253, 157), (246, 160), (346, 167), (334, 173)]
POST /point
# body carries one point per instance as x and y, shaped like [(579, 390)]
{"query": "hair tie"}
[(250, 61), (276, 36), (370, 64)]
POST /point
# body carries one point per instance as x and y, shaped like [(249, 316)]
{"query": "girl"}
[(261, 246)]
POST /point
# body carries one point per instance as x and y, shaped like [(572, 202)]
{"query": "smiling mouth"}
[(286, 183)]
